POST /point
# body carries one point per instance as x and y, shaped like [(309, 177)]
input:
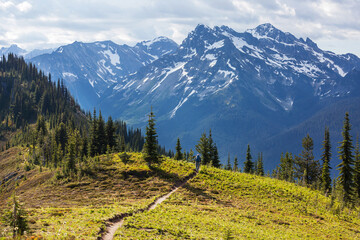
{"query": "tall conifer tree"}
[(204, 149), (215, 159), (101, 135), (213, 151), (110, 133), (248, 164), (151, 144), (236, 164), (260, 165), (346, 157), (286, 170), (308, 168), (228, 165), (71, 154), (178, 154), (93, 135), (326, 156), (357, 169)]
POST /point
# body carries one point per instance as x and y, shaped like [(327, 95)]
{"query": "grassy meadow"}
[(219, 204), (77, 208), (216, 204)]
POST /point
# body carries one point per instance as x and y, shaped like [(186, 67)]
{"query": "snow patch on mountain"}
[(68, 74), (114, 57), (151, 42), (191, 54), (168, 72), (239, 43), (218, 44), (210, 57), (308, 69), (181, 102), (230, 66), (213, 63)]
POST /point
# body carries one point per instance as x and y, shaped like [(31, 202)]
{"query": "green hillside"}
[(216, 204), (60, 208)]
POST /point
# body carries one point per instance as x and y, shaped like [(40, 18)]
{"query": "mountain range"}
[(15, 49), (262, 87)]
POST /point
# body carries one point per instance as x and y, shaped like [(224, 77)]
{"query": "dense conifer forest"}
[(41, 114)]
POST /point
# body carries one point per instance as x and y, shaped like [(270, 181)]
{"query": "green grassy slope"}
[(77, 209), (213, 205), (218, 203)]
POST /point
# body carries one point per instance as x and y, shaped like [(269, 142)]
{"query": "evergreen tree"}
[(93, 136), (191, 156), (84, 147), (151, 145), (110, 132), (236, 164), (41, 126), (260, 165), (71, 154), (357, 169), (214, 155), (101, 135), (308, 169), (178, 154), (286, 170), (228, 165), (204, 149), (326, 156), (16, 218), (248, 164), (122, 144), (346, 157), (61, 136)]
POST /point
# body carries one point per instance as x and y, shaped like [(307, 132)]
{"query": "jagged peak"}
[(267, 27), (265, 30), (156, 40), (310, 43), (201, 26)]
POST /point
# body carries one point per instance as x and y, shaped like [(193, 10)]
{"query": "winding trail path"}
[(116, 222)]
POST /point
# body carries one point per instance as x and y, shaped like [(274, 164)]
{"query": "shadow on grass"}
[(202, 193), (169, 177), (176, 180)]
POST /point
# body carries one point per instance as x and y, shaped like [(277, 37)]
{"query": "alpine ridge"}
[(251, 87), (88, 69)]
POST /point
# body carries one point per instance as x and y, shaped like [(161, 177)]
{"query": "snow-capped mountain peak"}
[(15, 49), (268, 63), (268, 31), (89, 69), (157, 47), (248, 84)]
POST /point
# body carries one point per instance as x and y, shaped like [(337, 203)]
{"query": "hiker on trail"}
[(197, 162)]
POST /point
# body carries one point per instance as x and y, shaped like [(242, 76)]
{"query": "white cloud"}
[(24, 6), (62, 22), (5, 4)]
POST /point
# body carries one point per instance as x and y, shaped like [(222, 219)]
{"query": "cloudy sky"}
[(333, 24)]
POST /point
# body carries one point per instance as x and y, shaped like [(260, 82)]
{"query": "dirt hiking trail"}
[(117, 221)]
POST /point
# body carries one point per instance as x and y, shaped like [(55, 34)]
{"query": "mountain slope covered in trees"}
[(43, 114)]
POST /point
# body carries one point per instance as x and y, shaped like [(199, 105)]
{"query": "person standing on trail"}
[(197, 162)]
